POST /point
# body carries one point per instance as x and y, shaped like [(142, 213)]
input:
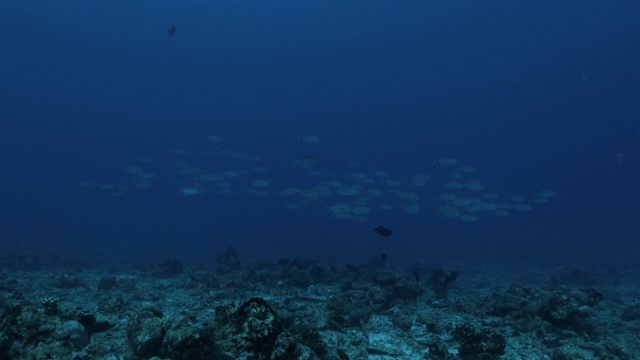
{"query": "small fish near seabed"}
[(383, 231), (172, 31)]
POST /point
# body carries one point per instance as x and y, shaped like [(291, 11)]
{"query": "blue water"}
[(537, 95)]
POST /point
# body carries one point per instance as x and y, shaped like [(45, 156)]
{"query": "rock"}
[(351, 308), (168, 268), (316, 272), (260, 324), (631, 313), (145, 333), (228, 260), (253, 327), (386, 278), (107, 283), (74, 332), (515, 301), (94, 325), (407, 291), (300, 278), (69, 282), (479, 343), (565, 308), (186, 341), (441, 281), (5, 342), (304, 338), (298, 352)]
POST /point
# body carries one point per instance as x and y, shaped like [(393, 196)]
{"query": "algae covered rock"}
[(479, 344), (5, 343), (298, 352), (107, 283), (301, 341), (351, 308), (73, 332), (568, 309), (252, 327), (260, 324), (386, 278), (631, 313), (404, 291), (300, 277), (516, 301), (145, 332), (440, 281), (188, 341)]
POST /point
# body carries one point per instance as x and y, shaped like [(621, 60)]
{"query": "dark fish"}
[(172, 31), (383, 256), (383, 231)]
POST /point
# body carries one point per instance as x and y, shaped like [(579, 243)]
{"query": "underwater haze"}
[(474, 130)]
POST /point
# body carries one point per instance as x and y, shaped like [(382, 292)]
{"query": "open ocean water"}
[(488, 136)]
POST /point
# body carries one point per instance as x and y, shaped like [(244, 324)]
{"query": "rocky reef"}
[(296, 309)]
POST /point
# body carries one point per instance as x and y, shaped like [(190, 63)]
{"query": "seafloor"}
[(293, 309)]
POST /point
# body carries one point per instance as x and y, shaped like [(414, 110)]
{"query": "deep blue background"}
[(536, 94)]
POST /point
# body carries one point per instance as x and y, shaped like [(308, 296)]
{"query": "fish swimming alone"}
[(172, 31), (383, 231)]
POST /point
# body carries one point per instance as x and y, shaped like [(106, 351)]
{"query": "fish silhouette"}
[(383, 231), (172, 31)]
